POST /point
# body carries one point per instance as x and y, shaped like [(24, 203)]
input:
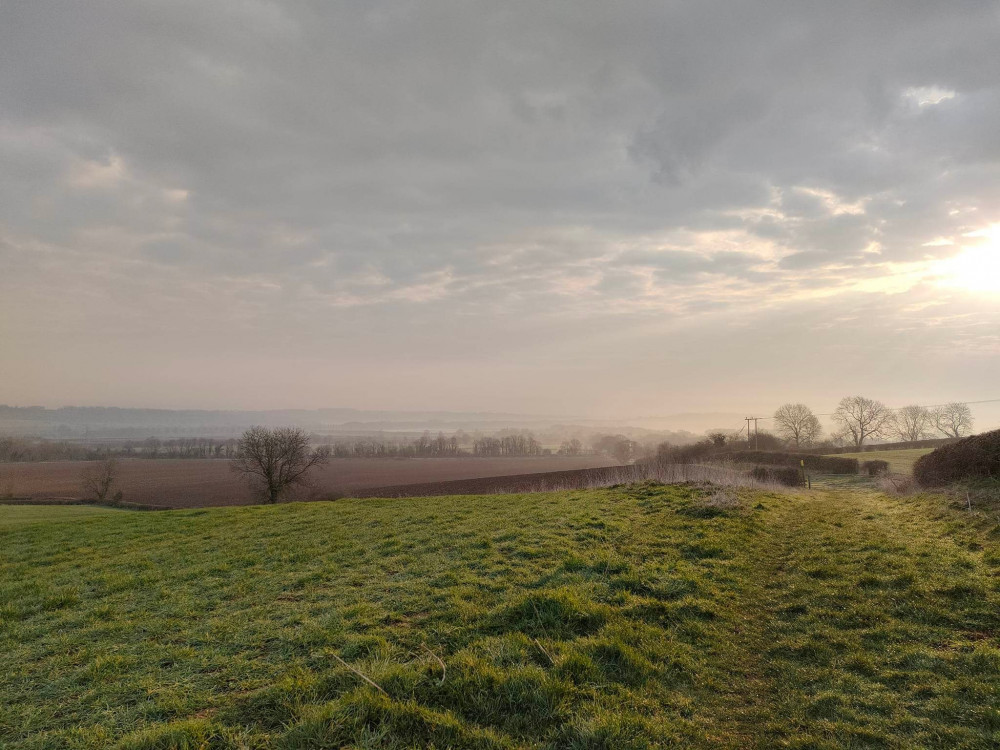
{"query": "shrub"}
[(875, 468), (685, 454), (976, 457), (786, 475), (823, 464)]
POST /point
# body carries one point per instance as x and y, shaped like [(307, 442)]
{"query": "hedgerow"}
[(786, 475), (976, 457), (824, 464)]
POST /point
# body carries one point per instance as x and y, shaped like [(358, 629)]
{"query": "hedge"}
[(786, 475), (975, 457), (822, 464)]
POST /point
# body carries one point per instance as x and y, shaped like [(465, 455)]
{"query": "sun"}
[(977, 267)]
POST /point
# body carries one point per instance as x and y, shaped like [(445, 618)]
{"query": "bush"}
[(976, 457), (823, 464), (685, 454), (875, 468), (786, 475)]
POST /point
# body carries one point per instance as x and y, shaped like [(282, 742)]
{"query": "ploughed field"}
[(633, 617), (193, 483)]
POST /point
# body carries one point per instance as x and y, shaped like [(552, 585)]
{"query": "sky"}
[(586, 208)]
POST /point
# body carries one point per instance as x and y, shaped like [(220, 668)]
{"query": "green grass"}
[(624, 618), (900, 461), (18, 515)]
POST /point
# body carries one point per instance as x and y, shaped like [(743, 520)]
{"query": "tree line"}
[(505, 443), (508, 445), (423, 446), (859, 420), (16, 449)]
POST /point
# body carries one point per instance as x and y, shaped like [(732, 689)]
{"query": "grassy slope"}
[(18, 515), (602, 619), (900, 461)]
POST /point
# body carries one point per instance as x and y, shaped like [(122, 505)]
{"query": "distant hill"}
[(109, 422)]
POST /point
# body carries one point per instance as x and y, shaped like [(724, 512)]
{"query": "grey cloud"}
[(403, 166), (683, 265), (806, 259)]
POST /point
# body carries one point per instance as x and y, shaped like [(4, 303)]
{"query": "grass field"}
[(636, 617), (900, 461)]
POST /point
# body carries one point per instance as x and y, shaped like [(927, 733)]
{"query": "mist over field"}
[(114, 423)]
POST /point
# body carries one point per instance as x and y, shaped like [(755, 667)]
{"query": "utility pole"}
[(755, 442)]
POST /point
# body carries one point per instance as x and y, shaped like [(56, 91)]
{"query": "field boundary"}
[(577, 479), (62, 501)]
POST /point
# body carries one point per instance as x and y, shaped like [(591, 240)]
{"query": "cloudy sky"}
[(583, 208)]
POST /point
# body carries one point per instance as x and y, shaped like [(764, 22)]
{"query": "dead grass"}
[(721, 500), (722, 475), (897, 484)]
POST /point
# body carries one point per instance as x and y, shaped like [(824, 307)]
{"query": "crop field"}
[(634, 617), (900, 461), (194, 483)]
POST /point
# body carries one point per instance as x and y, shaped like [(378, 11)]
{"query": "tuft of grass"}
[(633, 617), (897, 484)]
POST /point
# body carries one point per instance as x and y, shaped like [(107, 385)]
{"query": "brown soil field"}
[(195, 483)]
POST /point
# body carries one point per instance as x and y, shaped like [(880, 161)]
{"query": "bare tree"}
[(912, 423), (273, 460), (151, 447), (797, 424), (571, 448), (99, 479), (953, 420), (861, 418)]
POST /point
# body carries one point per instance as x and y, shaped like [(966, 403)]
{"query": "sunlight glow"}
[(977, 267)]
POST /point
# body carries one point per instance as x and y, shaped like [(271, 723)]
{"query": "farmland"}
[(638, 617), (199, 483)]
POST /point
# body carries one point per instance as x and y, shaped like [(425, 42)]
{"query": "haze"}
[(608, 210)]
